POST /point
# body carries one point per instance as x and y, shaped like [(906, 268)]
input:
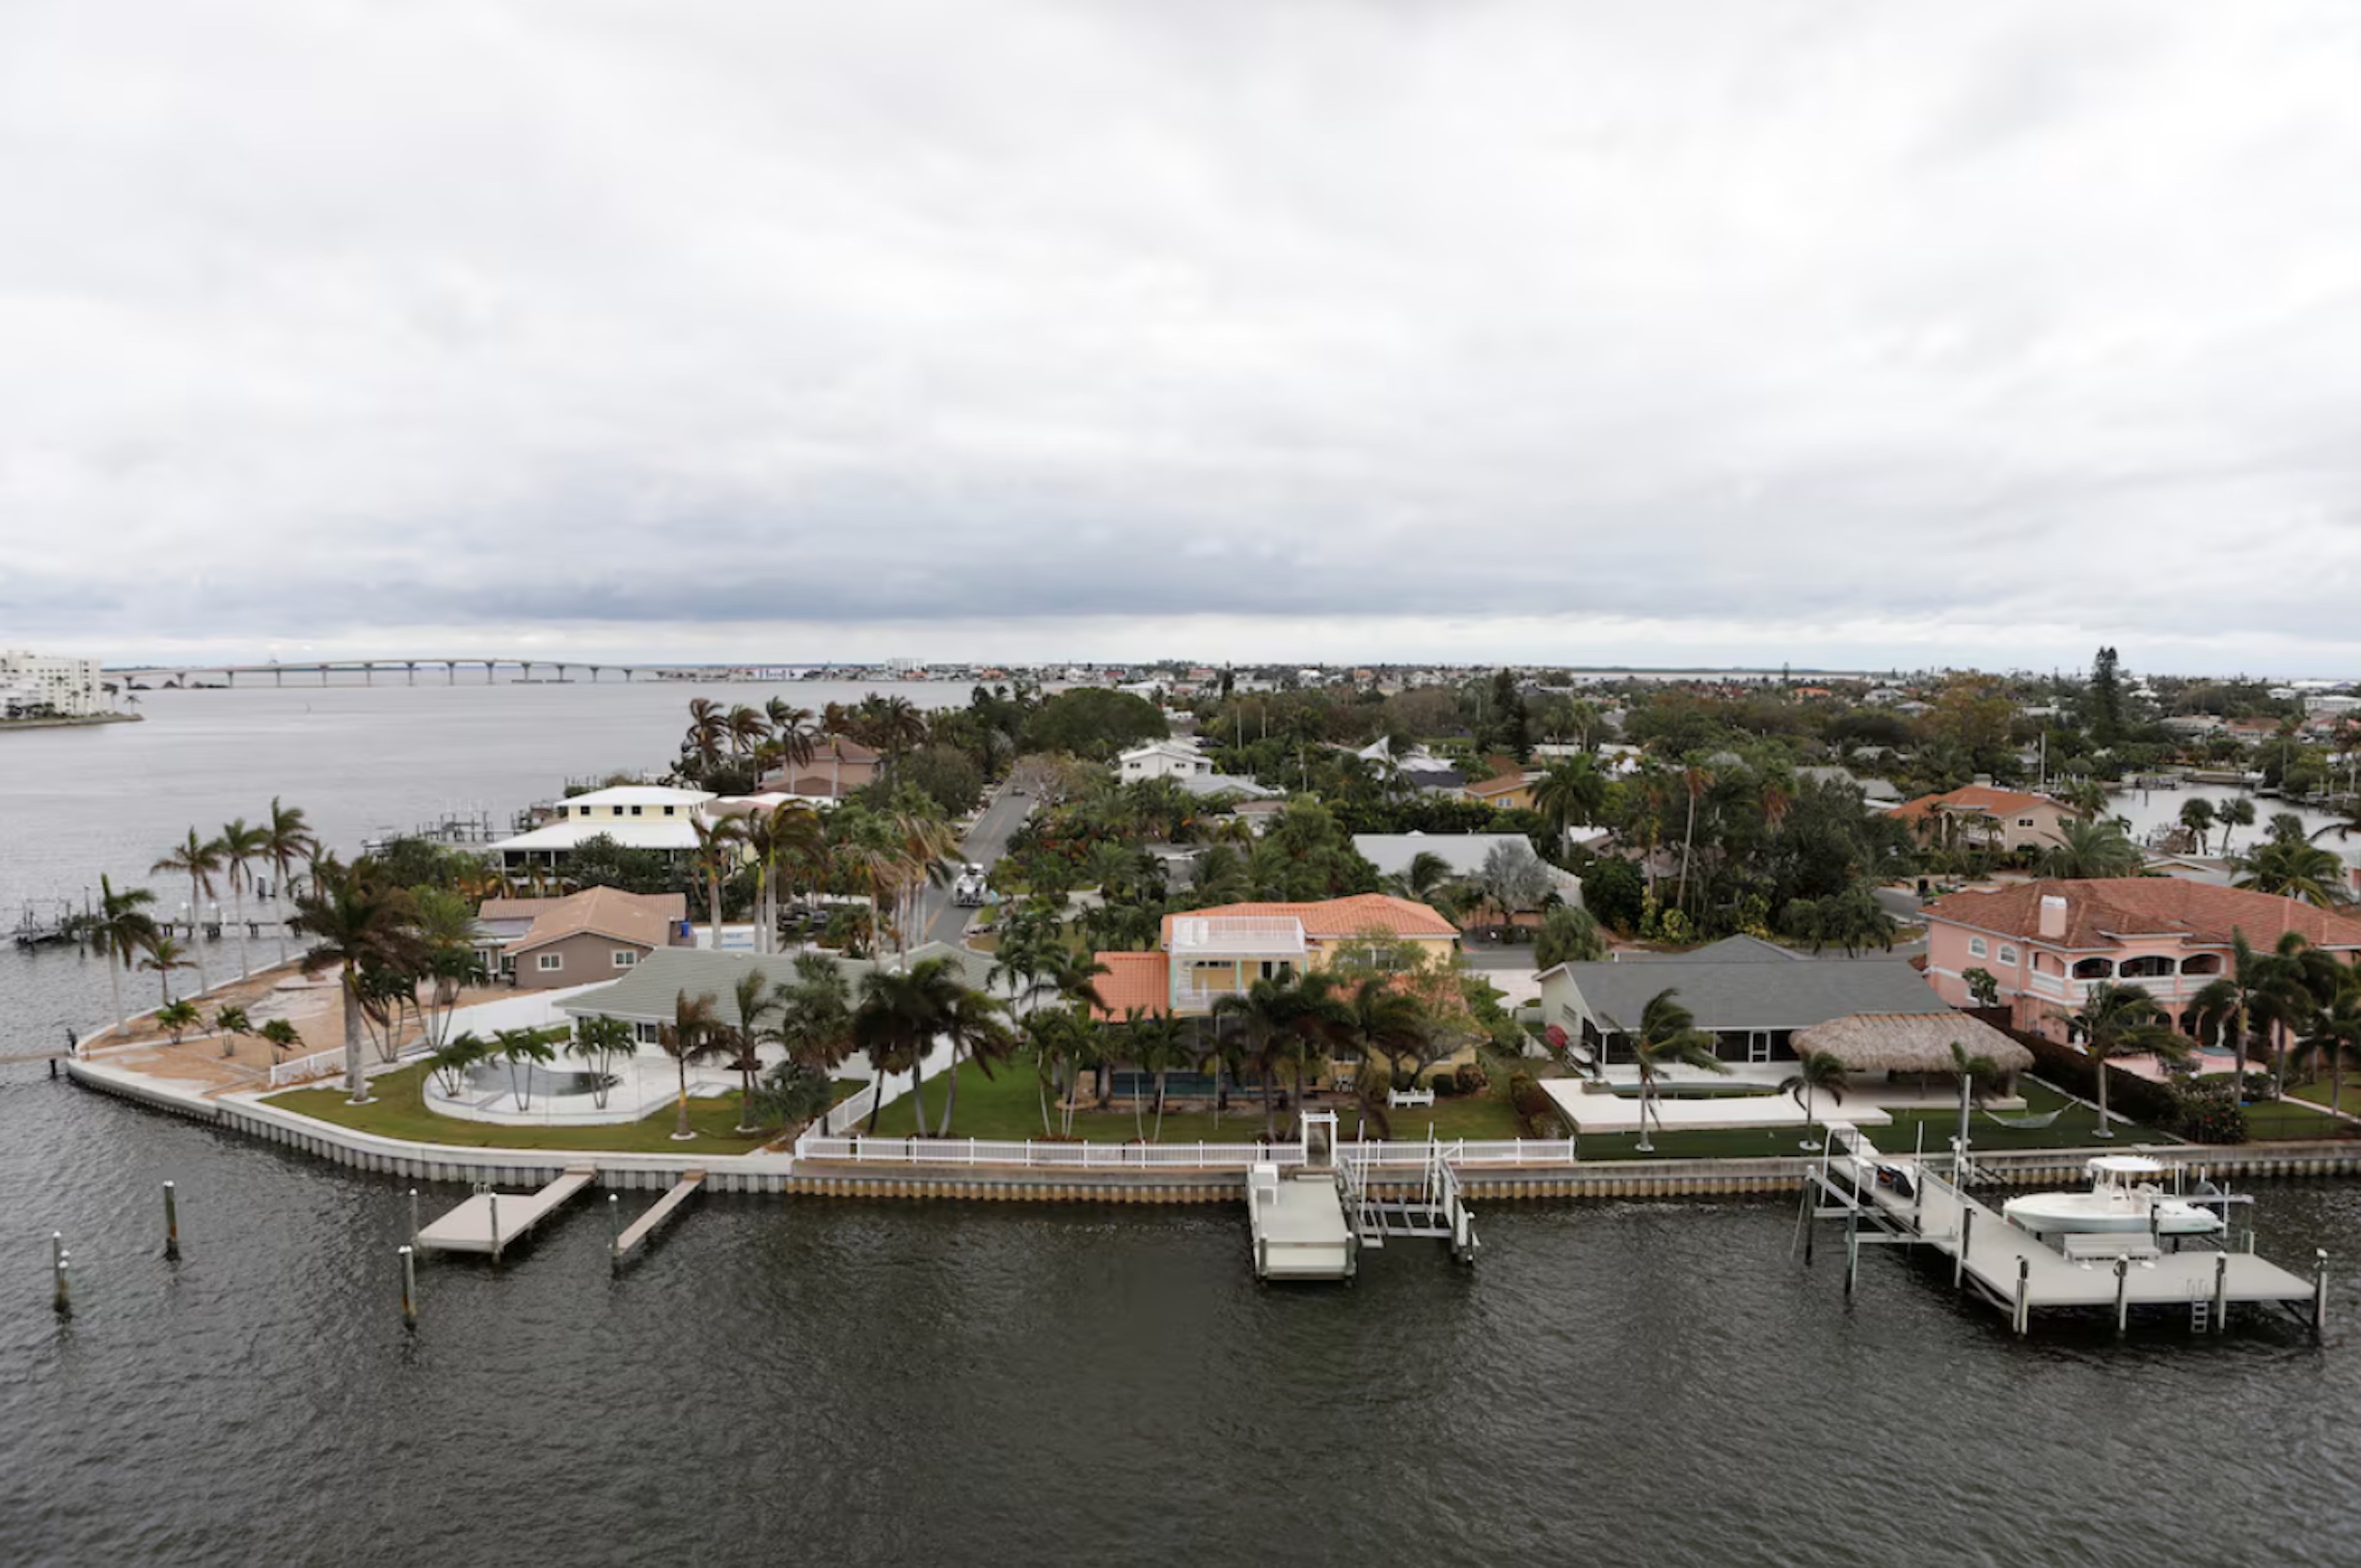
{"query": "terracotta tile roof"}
[(643, 919), (1342, 917), (1974, 798), (1505, 784), (2099, 910), (1133, 980)]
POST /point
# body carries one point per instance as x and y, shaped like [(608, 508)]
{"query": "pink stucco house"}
[(2047, 941)]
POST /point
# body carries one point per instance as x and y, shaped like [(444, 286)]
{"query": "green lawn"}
[(1008, 1106), (2318, 1092), (2291, 1118), (2077, 1128), (399, 1112)]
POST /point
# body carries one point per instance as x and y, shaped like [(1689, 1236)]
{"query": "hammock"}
[(2026, 1124)]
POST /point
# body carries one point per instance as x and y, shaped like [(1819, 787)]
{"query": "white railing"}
[(1197, 1156), (1037, 1155), (1204, 996), (849, 1111), (318, 1064)]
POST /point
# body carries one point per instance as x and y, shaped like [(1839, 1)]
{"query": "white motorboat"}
[(2127, 1194)]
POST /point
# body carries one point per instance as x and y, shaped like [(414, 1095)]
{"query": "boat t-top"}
[(2125, 1194)]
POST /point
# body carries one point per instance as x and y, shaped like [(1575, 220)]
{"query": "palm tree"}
[(1264, 1011), (2237, 811), (716, 857), (1572, 791), (451, 1061), (230, 1023), (815, 1013), (691, 1037), (241, 847), (1426, 874), (286, 840), (2332, 1038), (177, 1018), (164, 955), (791, 727), (123, 929), (2262, 996), (2197, 816), (2120, 1021), (2297, 870), (2089, 851), (361, 923), (199, 862), (741, 1039), (975, 1025), (446, 929), (708, 728), (1156, 1045), (1976, 1076), (1389, 1024), (598, 1039), (1668, 1037), (901, 1013), (527, 1048), (1817, 1073), (1696, 780), (280, 1036)]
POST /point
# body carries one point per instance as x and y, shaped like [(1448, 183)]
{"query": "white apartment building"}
[(31, 683)]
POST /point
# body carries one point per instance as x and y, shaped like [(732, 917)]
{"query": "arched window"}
[(2202, 964), (2147, 966), (2094, 969)]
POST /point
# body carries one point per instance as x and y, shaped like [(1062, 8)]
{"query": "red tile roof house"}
[(2005, 821), (2046, 942), (1211, 953)]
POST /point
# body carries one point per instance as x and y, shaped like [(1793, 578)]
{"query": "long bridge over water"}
[(406, 670)]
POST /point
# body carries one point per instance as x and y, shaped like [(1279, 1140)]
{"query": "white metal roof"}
[(638, 794), (632, 832)]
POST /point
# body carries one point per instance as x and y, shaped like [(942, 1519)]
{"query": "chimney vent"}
[(2053, 915)]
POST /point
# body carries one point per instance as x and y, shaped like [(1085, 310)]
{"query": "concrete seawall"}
[(782, 1175)]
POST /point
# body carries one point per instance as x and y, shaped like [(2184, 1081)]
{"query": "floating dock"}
[(491, 1221), (2017, 1271)]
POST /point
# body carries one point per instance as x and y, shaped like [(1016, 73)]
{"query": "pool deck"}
[(469, 1228)]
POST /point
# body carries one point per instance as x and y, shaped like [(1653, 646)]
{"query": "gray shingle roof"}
[(648, 993), (1749, 996)]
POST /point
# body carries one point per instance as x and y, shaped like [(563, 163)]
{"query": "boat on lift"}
[(2127, 1194)]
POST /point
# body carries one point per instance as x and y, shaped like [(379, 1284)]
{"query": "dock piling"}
[(1959, 1262), (172, 1224), (2221, 1291), (414, 1216), (2123, 1298), (614, 1231), (2024, 1296), (409, 1288), (1852, 1247), (496, 1235), (62, 1299), (2320, 1291)]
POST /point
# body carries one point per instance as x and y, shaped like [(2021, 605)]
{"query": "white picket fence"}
[(1199, 1156), (850, 1112)]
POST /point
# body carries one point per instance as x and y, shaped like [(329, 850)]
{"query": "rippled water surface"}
[(834, 1382)]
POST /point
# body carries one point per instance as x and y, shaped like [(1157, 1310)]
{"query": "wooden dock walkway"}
[(2020, 1274), (658, 1213), (491, 1221)]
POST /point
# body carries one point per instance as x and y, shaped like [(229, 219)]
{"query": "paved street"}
[(939, 920)]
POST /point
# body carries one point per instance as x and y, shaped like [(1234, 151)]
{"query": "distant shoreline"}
[(80, 721)]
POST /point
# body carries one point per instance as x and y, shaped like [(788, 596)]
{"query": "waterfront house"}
[(1205, 955), (1982, 817), (538, 944), (1751, 996), (838, 767), (635, 815), (2045, 944)]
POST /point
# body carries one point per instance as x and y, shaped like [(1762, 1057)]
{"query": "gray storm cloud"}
[(1977, 330)]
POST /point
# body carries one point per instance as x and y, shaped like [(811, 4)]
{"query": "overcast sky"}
[(1851, 334)]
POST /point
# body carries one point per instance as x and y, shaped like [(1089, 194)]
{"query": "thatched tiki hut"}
[(1914, 1045)]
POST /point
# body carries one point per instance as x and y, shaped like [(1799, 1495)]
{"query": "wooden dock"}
[(2018, 1273), (491, 1221), (658, 1213)]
